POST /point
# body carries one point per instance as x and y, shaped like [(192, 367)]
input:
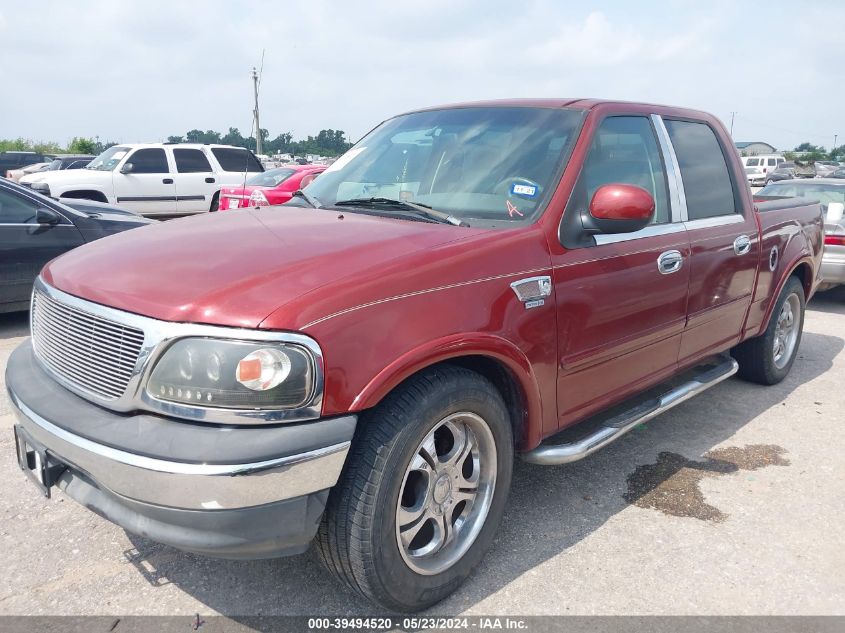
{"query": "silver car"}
[(830, 192)]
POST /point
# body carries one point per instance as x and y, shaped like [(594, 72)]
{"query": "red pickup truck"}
[(361, 365)]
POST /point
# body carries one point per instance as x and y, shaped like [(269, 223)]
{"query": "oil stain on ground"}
[(672, 484)]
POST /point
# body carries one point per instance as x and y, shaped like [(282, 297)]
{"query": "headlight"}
[(234, 374)]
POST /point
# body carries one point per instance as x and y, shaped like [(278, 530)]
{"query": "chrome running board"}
[(617, 426)]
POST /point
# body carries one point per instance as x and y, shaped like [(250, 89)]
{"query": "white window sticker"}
[(524, 190)]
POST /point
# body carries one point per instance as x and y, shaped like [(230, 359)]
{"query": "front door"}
[(148, 188), (25, 246), (621, 299), (724, 240)]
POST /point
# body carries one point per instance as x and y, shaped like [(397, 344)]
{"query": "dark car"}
[(35, 229), (70, 161), (784, 171), (17, 160)]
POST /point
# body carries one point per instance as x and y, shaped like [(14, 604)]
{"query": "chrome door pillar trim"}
[(719, 220), (677, 196)]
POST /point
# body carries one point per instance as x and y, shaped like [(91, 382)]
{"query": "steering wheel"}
[(503, 186)]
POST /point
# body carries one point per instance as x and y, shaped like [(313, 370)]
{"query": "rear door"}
[(723, 237), (621, 302), (26, 246), (149, 188), (196, 183), (236, 165)]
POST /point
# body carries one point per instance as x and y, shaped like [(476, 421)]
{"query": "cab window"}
[(149, 161), (704, 170)]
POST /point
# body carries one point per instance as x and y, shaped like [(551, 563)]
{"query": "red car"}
[(274, 186), (462, 285)]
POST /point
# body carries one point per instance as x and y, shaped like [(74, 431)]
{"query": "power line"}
[(781, 129)]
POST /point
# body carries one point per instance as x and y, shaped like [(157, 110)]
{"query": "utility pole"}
[(732, 123), (255, 112), (835, 136)]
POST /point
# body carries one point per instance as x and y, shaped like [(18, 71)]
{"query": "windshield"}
[(825, 194), (487, 163), (272, 177), (109, 159)]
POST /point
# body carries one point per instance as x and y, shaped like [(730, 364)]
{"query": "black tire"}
[(357, 540), (756, 356)]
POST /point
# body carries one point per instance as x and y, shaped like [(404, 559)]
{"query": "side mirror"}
[(619, 208), (45, 216), (835, 211), (127, 168)]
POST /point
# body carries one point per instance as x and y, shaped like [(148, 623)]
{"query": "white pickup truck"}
[(154, 178)]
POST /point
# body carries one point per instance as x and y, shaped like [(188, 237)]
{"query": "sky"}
[(141, 71)]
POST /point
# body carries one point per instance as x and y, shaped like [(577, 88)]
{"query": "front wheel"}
[(767, 359), (422, 492)]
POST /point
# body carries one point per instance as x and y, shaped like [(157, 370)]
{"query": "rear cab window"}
[(237, 160), (705, 174)]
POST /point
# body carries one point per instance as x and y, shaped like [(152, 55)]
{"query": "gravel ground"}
[(732, 503)]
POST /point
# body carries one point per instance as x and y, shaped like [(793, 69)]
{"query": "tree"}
[(175, 139), (81, 145)]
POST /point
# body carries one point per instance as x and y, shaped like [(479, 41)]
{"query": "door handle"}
[(209, 179), (167, 181), (670, 262), (742, 245)]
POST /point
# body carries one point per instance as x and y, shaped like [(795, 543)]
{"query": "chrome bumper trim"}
[(186, 485)]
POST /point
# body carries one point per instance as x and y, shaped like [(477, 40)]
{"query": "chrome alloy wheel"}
[(446, 493), (786, 331)]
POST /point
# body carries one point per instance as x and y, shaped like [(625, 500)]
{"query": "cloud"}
[(142, 71)]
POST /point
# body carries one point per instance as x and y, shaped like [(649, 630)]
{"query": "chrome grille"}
[(89, 352)]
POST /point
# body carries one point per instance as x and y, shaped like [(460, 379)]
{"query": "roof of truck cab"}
[(579, 103)]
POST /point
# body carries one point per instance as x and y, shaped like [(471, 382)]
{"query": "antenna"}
[(256, 84), (732, 123)]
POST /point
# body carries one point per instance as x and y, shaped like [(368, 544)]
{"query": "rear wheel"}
[(422, 492), (767, 359)]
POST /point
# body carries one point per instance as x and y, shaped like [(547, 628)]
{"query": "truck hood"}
[(235, 268)]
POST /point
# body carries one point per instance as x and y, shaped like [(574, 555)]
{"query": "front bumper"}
[(232, 492), (833, 265)]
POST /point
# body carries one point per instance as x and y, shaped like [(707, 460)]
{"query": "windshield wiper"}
[(299, 193), (422, 209)]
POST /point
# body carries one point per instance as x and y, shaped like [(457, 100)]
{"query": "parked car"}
[(18, 160), (839, 173), (61, 161), (755, 176), (784, 171), (273, 187), (766, 162), (35, 229), (463, 284), (155, 179), (16, 174), (825, 168), (830, 193)]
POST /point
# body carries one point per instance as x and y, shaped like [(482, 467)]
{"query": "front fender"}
[(456, 346)]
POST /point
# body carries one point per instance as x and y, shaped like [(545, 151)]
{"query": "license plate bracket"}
[(36, 461)]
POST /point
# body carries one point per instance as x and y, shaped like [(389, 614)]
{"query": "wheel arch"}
[(493, 357), (86, 194), (802, 269)]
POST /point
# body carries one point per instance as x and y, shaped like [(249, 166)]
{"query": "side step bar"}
[(616, 427)]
